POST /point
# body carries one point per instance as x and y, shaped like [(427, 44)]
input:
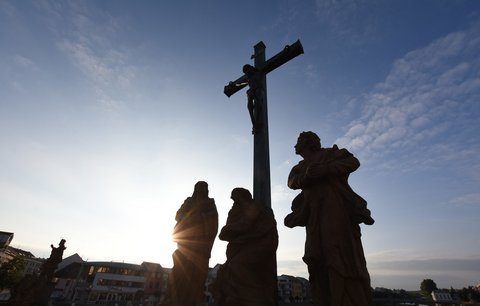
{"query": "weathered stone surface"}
[(331, 212), (36, 290), (195, 231), (248, 275)]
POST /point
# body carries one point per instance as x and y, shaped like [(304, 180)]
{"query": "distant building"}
[(32, 264), (106, 282), (64, 287), (284, 287), (102, 282), (293, 289), (5, 239), (156, 282), (306, 291), (211, 277), (443, 298), (68, 260)]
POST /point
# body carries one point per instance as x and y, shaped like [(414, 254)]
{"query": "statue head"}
[(241, 195), (249, 69), (307, 141), (200, 189)]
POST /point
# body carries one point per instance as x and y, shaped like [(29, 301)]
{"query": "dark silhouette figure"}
[(331, 212), (49, 267), (195, 231), (254, 95), (36, 290), (246, 278)]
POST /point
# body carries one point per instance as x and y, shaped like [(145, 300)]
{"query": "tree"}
[(474, 295), (11, 272), (469, 294), (428, 286)]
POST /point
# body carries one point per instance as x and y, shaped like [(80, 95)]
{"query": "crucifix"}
[(255, 78)]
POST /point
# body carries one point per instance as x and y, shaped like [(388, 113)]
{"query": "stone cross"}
[(255, 78)]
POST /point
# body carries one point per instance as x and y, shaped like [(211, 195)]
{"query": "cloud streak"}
[(471, 199), (428, 265), (428, 102), (405, 268), (446, 272), (352, 21), (23, 61), (90, 41)]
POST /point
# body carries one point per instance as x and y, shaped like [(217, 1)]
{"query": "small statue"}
[(254, 95), (195, 232), (248, 277), (36, 290), (49, 267), (331, 212)]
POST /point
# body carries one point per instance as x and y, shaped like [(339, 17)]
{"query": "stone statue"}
[(254, 94), (331, 212), (36, 290), (49, 267), (194, 233), (248, 277)]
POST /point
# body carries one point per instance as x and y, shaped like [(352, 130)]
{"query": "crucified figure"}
[(254, 95)]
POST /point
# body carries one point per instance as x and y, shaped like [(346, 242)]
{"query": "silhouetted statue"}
[(36, 290), (331, 212), (254, 94), (247, 278), (49, 267), (195, 231)]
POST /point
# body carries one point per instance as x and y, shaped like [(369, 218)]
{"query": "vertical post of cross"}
[(261, 153), (258, 86)]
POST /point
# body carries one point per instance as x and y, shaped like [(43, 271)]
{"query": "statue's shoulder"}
[(211, 204), (187, 205), (335, 149), (329, 152), (298, 167), (300, 164)]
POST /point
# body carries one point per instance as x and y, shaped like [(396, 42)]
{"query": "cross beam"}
[(261, 154), (288, 53)]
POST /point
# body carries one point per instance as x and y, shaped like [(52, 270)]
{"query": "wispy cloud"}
[(427, 266), (405, 268), (292, 267), (352, 21), (471, 199), (394, 255), (19, 63), (7, 9), (23, 61), (90, 39), (285, 20), (426, 109), (406, 272)]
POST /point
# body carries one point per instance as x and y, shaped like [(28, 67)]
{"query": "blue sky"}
[(110, 111)]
